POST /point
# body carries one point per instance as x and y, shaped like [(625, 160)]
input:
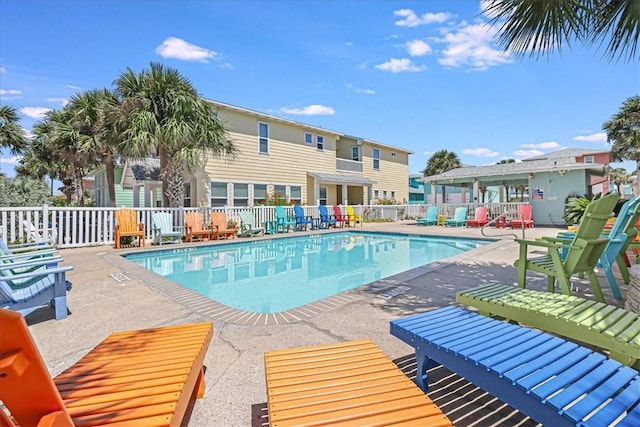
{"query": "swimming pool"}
[(275, 275)]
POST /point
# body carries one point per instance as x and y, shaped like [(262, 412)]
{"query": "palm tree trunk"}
[(164, 174), (110, 172), (175, 183), (444, 193)]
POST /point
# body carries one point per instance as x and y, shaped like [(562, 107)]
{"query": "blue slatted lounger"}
[(553, 381)]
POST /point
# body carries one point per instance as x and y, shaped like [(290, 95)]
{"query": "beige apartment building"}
[(306, 164)]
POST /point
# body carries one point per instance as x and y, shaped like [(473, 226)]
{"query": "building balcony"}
[(345, 165)]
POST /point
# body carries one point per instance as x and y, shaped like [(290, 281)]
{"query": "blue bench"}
[(554, 381)]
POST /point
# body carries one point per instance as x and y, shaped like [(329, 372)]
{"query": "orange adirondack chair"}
[(219, 222), (194, 227), (143, 377), (480, 219), (127, 225)]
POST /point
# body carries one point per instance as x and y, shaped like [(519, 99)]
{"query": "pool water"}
[(270, 276)]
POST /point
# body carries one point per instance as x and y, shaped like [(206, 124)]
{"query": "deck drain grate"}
[(120, 277), (394, 292)]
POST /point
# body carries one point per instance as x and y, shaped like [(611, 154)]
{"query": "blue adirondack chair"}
[(459, 218), (164, 230), (26, 292), (326, 220), (20, 257), (302, 221), (430, 218), (284, 221)]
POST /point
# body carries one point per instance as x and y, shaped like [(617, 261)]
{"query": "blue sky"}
[(418, 75)]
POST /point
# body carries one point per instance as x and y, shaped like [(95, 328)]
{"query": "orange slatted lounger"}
[(136, 378), (348, 383)]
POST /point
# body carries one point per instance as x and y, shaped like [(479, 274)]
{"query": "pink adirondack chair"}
[(480, 219)]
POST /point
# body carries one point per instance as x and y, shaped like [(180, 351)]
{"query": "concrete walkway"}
[(111, 294)]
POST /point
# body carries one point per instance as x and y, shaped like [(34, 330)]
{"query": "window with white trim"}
[(295, 194), (322, 197), (259, 194), (281, 190), (308, 138), (589, 159), (320, 142), (240, 194), (376, 158), (263, 138), (384, 194), (355, 153), (393, 195), (186, 198), (218, 194), (376, 194)]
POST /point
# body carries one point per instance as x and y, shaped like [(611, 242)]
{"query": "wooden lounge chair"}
[(284, 222), (480, 219), (348, 383), (127, 226), (136, 378), (219, 224), (459, 218), (326, 220), (553, 381), (582, 252), (431, 216), (248, 225), (164, 230), (610, 328), (341, 218), (193, 226), (352, 216), (524, 217), (28, 291)]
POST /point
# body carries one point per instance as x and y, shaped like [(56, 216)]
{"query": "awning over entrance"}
[(333, 178)]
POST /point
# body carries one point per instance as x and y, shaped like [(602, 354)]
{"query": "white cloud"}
[(551, 145), (3, 70), (348, 44), (73, 87), (360, 90), (63, 101), (471, 45), (428, 153), (310, 110), (10, 93), (27, 133), (226, 66), (527, 153), (34, 112), (10, 160), (410, 19), (480, 152), (595, 137), (363, 66), (418, 47), (174, 47), (395, 65)]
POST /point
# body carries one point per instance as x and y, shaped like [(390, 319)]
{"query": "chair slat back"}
[(26, 387), (193, 221), (432, 213), (127, 220), (162, 221)]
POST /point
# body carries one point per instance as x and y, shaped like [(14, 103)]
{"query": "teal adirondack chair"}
[(284, 221), (582, 254), (430, 218), (26, 292), (164, 230), (248, 226), (459, 218)]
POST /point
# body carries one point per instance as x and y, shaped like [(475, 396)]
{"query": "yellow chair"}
[(127, 226), (353, 217)]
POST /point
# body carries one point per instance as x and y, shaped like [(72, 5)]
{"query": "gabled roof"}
[(567, 152), (138, 170)]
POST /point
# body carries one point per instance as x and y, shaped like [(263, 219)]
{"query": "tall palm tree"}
[(165, 116), (618, 176), (440, 162), (11, 134), (538, 27), (94, 115), (623, 132)]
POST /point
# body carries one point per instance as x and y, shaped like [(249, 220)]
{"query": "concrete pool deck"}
[(111, 294)]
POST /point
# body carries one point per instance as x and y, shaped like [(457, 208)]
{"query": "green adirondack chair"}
[(248, 227), (582, 253)]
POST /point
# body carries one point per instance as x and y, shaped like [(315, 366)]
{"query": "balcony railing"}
[(348, 165)]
